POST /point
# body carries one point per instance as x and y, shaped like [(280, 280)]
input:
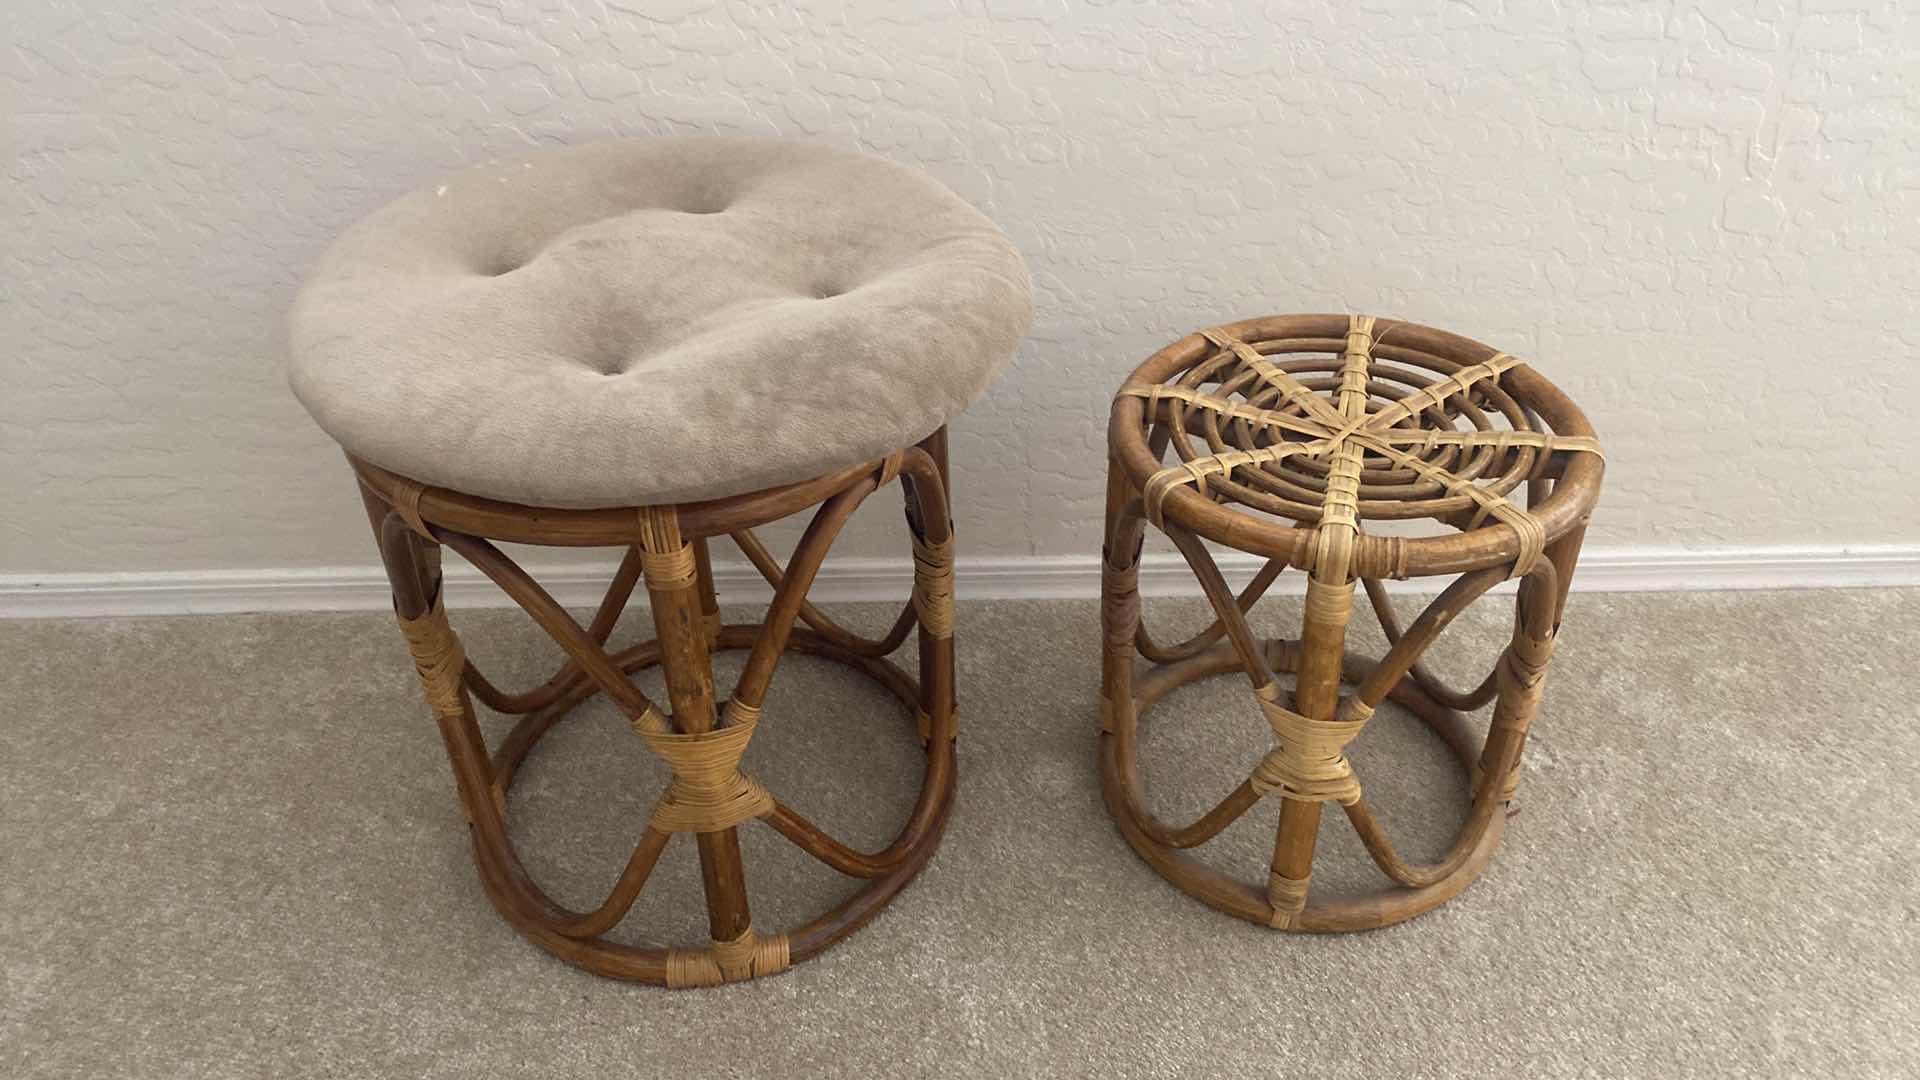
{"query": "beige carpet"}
[(230, 849)]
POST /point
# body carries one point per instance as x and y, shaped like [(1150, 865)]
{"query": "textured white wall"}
[(1702, 218)]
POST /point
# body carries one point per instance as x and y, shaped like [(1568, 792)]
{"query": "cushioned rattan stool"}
[(646, 345), (1325, 422)]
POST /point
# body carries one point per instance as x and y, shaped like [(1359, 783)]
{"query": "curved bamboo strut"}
[(465, 747), (1407, 648), (1224, 813), (1253, 664), (1485, 804), (930, 518), (1390, 626), (619, 591), (1392, 669), (770, 569), (625, 891), (1234, 622), (751, 688), (1210, 824), (1127, 530), (552, 617), (1249, 596), (816, 842)]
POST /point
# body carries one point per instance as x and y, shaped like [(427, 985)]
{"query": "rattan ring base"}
[(702, 738), (1125, 798)]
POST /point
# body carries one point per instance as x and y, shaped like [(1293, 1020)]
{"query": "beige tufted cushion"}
[(655, 320)]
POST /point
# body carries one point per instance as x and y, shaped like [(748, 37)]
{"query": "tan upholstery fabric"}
[(655, 320)]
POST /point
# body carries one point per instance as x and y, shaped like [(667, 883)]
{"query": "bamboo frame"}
[(1328, 421), (700, 736)]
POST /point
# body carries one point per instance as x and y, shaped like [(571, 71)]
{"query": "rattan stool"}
[(1328, 421), (647, 345)]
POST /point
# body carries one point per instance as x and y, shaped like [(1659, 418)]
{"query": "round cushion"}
[(654, 321)]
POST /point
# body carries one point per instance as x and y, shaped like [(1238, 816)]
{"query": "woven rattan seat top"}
[(1260, 432)]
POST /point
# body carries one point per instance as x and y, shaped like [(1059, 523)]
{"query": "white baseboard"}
[(1039, 577)]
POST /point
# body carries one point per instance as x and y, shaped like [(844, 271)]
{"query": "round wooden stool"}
[(646, 345), (1323, 422)]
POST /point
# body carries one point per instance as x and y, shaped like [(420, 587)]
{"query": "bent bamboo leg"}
[(673, 587)]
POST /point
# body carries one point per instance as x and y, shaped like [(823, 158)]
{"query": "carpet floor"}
[(230, 848)]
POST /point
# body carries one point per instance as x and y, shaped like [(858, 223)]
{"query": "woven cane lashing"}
[(933, 586), (708, 792), (744, 957), (437, 656), (1308, 761), (1288, 896)]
